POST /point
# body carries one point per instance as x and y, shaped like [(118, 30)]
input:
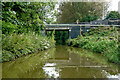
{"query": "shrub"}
[(14, 46), (8, 28), (112, 54), (100, 41)]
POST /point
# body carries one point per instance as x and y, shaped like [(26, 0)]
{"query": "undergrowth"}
[(103, 40), (17, 45)]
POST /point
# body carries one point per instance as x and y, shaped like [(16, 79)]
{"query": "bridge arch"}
[(59, 29)]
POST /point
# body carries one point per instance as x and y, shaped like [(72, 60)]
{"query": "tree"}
[(69, 12), (89, 18), (113, 14), (29, 16)]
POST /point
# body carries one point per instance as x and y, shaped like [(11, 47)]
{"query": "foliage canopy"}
[(113, 15), (69, 12), (29, 16)]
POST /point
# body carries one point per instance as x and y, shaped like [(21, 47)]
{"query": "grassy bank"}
[(102, 40), (17, 45)]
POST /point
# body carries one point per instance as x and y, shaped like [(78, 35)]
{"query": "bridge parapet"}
[(74, 29), (74, 25)]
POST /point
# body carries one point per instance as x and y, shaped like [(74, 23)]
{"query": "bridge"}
[(73, 29)]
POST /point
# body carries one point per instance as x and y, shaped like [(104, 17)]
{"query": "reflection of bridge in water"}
[(73, 29), (66, 63)]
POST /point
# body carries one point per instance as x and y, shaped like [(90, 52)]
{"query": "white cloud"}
[(113, 5)]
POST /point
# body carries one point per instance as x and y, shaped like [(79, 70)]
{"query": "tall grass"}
[(100, 42), (17, 45)]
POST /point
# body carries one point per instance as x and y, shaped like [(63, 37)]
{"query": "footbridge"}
[(73, 29)]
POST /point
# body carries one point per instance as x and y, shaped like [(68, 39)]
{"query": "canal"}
[(61, 62)]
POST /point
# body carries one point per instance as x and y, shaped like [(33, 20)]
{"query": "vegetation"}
[(113, 15), (61, 37), (69, 12), (102, 40), (89, 18), (28, 16), (14, 46), (22, 23)]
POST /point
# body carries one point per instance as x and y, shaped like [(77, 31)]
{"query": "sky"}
[(113, 5)]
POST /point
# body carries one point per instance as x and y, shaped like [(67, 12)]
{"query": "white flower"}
[(48, 44), (46, 47)]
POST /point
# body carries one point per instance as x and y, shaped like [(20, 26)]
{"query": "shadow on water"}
[(61, 62)]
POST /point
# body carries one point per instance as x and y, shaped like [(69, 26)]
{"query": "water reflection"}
[(29, 66), (111, 76), (66, 63), (50, 70), (61, 62)]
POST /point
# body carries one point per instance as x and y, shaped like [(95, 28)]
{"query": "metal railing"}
[(68, 25)]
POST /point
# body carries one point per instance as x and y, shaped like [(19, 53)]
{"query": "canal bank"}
[(61, 62), (103, 40), (18, 45)]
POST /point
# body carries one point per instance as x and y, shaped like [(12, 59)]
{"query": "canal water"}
[(61, 62)]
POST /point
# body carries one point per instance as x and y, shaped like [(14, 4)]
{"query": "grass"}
[(101, 40), (17, 45)]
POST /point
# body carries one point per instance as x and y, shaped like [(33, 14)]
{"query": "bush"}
[(112, 54), (100, 41), (8, 28), (14, 46)]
